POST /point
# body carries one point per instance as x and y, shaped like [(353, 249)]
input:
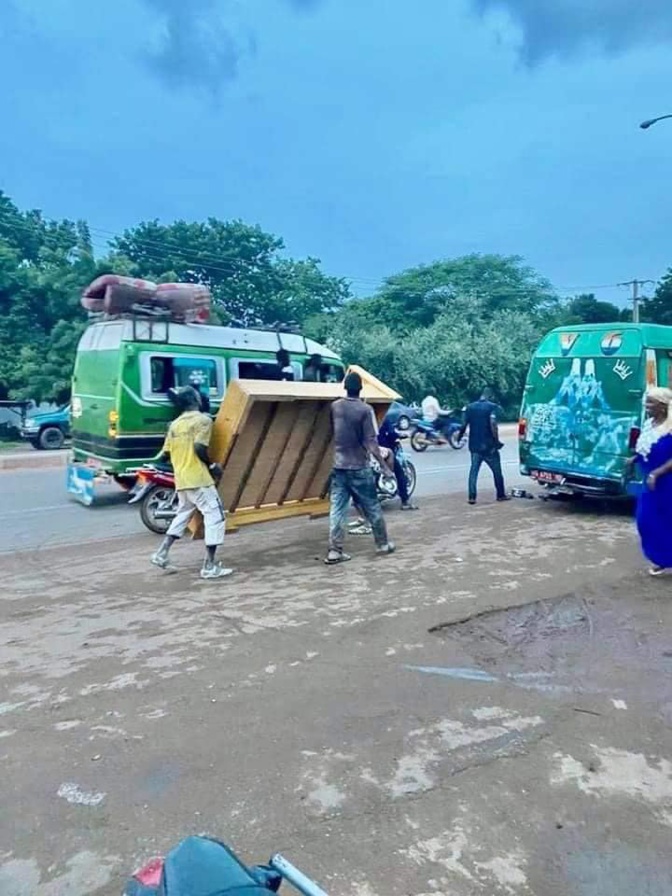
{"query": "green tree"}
[(454, 357), (416, 297), (250, 282), (658, 308), (43, 266), (586, 309)]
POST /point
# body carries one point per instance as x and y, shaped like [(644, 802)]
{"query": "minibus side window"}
[(169, 373), (332, 373), (258, 370), (162, 374)]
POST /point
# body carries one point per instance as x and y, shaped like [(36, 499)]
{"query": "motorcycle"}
[(201, 866), (154, 491), (386, 486), (444, 431)]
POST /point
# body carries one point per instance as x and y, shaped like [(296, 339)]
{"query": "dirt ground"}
[(488, 711)]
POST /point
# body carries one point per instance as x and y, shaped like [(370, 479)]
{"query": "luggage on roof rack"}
[(115, 295)]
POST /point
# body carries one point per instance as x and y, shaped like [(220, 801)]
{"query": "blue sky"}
[(370, 136)]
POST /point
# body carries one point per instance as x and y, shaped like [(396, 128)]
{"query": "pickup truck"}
[(48, 430)]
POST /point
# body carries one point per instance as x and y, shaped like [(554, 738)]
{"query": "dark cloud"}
[(199, 47), (565, 27)]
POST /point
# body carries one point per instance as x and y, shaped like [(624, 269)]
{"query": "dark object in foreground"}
[(200, 866)]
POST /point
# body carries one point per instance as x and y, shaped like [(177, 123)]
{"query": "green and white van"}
[(124, 368), (583, 405)]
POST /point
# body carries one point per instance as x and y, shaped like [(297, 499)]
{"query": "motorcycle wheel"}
[(156, 497), (455, 441), (386, 488), (419, 441), (411, 477)]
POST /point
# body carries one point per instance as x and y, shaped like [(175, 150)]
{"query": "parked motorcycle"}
[(444, 431), (154, 491), (386, 486), (201, 866)]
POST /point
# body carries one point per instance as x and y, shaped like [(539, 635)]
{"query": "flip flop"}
[(341, 558)]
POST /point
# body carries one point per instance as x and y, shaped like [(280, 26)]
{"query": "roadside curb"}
[(37, 461)]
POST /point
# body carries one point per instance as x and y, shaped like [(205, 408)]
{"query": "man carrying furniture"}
[(352, 478), (186, 447)]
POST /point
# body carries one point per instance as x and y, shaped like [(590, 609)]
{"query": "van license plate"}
[(545, 476)]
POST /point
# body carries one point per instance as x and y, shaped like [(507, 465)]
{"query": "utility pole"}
[(635, 284)]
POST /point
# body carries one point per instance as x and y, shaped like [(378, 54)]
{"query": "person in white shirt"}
[(431, 408)]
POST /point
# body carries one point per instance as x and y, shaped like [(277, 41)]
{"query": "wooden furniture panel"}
[(273, 440)]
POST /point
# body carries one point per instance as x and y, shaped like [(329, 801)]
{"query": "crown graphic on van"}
[(547, 368)]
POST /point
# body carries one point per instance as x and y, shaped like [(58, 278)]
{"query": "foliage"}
[(586, 309), (45, 264), (251, 284), (449, 327), (486, 283), (454, 357), (658, 309)]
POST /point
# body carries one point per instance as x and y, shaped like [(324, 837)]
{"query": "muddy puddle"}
[(615, 641)]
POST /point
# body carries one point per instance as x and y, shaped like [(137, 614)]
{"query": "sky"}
[(365, 134)]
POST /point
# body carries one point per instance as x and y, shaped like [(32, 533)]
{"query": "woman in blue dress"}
[(654, 458)]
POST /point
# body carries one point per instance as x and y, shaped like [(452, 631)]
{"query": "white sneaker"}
[(161, 560), (216, 571)]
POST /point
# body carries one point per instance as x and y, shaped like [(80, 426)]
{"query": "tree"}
[(418, 296), (250, 283), (658, 309), (454, 357), (43, 266), (586, 309)]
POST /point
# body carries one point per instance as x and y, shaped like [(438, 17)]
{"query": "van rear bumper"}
[(120, 449), (581, 484)]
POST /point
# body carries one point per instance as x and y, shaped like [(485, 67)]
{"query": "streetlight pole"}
[(645, 125)]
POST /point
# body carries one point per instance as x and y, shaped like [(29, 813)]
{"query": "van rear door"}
[(582, 402), (94, 386)]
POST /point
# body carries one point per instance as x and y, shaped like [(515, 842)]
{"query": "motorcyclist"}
[(433, 413), (388, 440)]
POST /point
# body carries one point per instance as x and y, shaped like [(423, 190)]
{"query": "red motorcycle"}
[(154, 491)]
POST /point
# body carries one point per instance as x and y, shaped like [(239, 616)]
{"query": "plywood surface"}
[(273, 440)]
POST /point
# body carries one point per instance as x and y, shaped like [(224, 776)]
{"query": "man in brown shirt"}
[(352, 478)]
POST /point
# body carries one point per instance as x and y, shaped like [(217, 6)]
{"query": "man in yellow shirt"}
[(186, 447)]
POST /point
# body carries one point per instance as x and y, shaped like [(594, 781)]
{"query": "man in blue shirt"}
[(481, 420)]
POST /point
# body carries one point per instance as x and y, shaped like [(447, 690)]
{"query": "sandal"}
[(334, 557)]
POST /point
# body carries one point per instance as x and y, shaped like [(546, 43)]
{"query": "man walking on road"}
[(481, 421), (352, 478), (186, 447)]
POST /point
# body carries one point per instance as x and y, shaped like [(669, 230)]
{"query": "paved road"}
[(35, 510), (321, 712)]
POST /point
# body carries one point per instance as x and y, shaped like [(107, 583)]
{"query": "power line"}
[(230, 266)]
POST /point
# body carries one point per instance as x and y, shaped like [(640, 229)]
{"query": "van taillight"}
[(634, 435), (522, 428)]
